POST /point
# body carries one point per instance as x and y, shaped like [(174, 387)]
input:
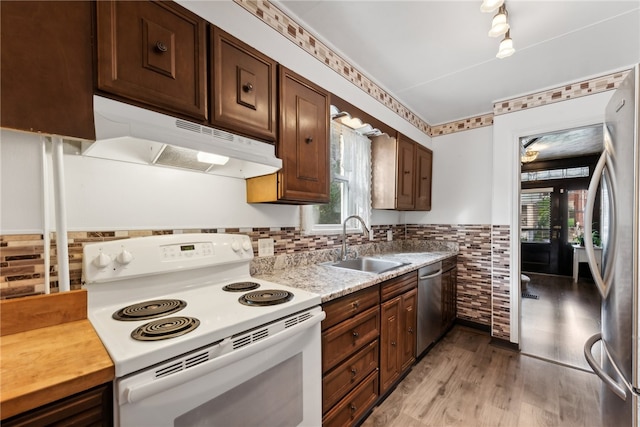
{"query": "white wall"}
[(462, 176), (21, 203), (507, 129)]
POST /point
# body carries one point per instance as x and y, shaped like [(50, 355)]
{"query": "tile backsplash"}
[(22, 256)]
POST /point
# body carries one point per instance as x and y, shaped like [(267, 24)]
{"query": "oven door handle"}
[(137, 392)]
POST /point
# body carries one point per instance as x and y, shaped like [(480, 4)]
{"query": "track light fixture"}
[(499, 26)]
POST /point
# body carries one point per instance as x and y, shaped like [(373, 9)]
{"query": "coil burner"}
[(149, 309), (163, 329), (266, 297), (241, 286)]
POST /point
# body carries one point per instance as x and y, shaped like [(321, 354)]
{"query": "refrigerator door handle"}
[(619, 390), (603, 283)]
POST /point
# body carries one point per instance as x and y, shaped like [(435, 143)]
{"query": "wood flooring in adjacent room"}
[(556, 325), (466, 381)]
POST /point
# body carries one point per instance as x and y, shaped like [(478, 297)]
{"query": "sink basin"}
[(370, 265)]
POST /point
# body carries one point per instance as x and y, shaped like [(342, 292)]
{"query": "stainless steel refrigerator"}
[(617, 176)]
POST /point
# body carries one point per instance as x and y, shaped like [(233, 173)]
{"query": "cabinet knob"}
[(407, 172), (161, 47), (353, 408), (247, 87), (308, 140), (355, 304), (354, 372), (410, 330), (355, 334), (393, 343)]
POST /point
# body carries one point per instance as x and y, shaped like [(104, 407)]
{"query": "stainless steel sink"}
[(370, 265)]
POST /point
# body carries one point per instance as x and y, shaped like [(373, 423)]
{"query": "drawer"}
[(398, 285), (337, 383), (342, 340), (347, 306), (449, 263), (354, 405)]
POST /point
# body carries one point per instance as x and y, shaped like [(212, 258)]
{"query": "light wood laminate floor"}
[(465, 381), (557, 324)]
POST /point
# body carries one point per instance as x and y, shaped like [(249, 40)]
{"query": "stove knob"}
[(124, 257), (102, 260), (235, 246), (246, 245)]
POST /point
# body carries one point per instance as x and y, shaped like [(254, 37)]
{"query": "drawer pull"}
[(354, 372), (355, 304), (353, 408), (355, 334), (247, 87), (161, 47)]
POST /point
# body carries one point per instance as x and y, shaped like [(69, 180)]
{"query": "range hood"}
[(132, 134)]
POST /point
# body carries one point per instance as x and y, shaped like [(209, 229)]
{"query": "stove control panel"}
[(140, 256), (190, 250)]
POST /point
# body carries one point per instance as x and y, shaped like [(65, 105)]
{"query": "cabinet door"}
[(47, 67), (424, 159), (153, 53), (303, 145), (390, 336), (406, 173), (244, 87), (408, 348)]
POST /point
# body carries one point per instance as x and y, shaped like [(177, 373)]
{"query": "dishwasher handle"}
[(431, 276)]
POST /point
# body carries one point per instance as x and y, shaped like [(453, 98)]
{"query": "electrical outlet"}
[(372, 235), (389, 235), (265, 247)]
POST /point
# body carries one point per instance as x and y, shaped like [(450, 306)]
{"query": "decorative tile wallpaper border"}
[(21, 265), (500, 300), (570, 91), (279, 21), (474, 265), (462, 125)]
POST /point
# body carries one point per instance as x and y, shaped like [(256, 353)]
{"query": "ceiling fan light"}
[(506, 47), (499, 24), (490, 5)]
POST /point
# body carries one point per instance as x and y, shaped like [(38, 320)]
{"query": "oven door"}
[(268, 376)]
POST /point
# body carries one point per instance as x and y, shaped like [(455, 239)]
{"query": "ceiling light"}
[(499, 24), (490, 5), (506, 47), (529, 156), (214, 159)]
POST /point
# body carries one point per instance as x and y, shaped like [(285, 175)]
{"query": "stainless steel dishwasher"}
[(429, 305)]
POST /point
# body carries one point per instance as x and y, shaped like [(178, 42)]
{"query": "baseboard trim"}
[(473, 325), (502, 343)]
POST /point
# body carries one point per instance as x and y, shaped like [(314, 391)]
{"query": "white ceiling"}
[(436, 58)]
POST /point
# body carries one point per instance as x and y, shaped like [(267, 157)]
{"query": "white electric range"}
[(182, 314)]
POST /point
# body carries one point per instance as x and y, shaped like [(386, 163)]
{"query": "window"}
[(350, 188), (535, 215), (576, 202), (543, 175)]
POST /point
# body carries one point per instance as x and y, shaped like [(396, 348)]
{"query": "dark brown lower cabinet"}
[(93, 407), (355, 404)]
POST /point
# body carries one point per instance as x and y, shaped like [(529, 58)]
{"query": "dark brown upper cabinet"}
[(153, 53), (46, 67), (424, 164), (244, 87), (401, 174), (303, 146)]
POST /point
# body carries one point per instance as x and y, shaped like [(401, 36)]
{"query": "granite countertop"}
[(317, 276)]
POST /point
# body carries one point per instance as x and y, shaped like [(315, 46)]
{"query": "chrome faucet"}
[(343, 257)]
